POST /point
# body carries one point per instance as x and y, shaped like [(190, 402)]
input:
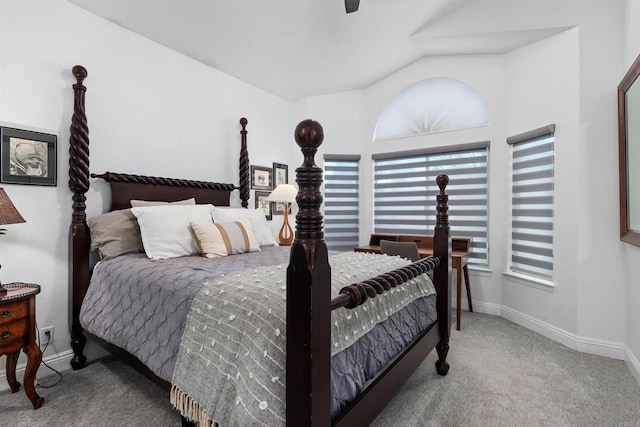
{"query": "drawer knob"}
[(5, 335), (5, 314)]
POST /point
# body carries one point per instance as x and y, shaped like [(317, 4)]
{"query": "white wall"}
[(150, 111), (630, 253), (542, 84)]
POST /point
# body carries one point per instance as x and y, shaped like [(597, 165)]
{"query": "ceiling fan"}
[(351, 5)]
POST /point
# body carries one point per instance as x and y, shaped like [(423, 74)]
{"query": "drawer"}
[(12, 331), (13, 311)]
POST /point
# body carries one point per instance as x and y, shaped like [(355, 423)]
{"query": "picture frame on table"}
[(262, 202), (261, 178), (28, 157), (280, 174)]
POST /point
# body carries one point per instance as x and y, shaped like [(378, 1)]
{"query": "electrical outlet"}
[(46, 334)]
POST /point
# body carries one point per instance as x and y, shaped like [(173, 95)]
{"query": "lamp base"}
[(286, 232)]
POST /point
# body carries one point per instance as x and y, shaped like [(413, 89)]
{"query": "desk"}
[(460, 254)]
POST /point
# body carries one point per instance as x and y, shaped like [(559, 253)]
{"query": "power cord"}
[(48, 336)]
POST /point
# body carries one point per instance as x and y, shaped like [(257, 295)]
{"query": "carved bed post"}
[(308, 296), (442, 249), (79, 233), (245, 180)]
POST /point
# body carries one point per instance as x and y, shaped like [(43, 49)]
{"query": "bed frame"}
[(309, 304)]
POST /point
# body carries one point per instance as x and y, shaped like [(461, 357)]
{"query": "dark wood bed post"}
[(244, 165), (79, 233), (308, 296), (442, 249)]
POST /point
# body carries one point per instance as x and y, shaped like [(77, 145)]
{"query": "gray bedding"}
[(141, 305)]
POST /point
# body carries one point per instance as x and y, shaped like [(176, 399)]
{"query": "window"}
[(341, 201), (405, 193), (429, 106), (532, 202)]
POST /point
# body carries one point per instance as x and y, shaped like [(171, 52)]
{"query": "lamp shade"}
[(283, 193), (8, 212)]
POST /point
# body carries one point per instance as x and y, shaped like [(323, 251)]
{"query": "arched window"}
[(431, 105)]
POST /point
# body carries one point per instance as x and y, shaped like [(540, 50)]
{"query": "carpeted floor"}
[(501, 375)]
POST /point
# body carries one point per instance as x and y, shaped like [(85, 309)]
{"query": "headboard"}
[(125, 187)]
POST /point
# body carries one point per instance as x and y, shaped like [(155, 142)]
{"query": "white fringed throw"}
[(230, 367)]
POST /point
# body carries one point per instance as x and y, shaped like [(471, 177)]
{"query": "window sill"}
[(534, 282)]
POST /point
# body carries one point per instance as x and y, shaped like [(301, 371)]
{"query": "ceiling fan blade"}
[(351, 5)]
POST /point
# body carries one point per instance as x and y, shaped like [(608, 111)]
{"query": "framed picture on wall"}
[(264, 204), (27, 157), (261, 178), (280, 174), (278, 208)]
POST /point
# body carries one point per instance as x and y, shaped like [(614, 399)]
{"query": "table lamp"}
[(8, 215), (284, 193)]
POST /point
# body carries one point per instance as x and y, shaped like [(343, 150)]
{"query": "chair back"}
[(408, 250)]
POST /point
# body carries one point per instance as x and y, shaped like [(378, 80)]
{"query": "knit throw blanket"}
[(230, 368)]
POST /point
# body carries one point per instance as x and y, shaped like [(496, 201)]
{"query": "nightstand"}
[(17, 331)]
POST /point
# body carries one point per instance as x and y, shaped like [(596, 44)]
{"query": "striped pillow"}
[(222, 239)]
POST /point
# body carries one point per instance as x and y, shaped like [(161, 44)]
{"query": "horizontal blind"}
[(341, 213), (405, 192), (532, 203)]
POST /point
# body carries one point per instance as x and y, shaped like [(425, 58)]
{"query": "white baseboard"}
[(573, 341), (59, 362), (479, 307), (632, 363)]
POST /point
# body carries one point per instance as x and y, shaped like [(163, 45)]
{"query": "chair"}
[(408, 250)]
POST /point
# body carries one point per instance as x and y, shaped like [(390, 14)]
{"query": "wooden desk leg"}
[(459, 296), (12, 361), (466, 282), (34, 357)]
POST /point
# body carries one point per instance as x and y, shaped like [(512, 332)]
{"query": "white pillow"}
[(258, 220), (165, 229)]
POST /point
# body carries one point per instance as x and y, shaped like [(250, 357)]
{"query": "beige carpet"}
[(501, 375)]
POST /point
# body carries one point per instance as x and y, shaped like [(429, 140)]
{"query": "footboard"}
[(309, 306)]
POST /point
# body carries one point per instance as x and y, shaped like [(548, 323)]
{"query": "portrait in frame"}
[(28, 157)]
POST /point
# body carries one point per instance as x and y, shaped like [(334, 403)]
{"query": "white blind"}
[(341, 208), (532, 203), (405, 193)]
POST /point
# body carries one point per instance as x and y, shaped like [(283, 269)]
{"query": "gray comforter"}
[(141, 305)]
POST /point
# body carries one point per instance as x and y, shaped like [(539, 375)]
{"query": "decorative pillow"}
[(141, 203), (115, 233), (260, 225), (165, 229), (225, 238)]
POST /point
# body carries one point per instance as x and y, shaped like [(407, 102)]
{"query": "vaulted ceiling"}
[(297, 48)]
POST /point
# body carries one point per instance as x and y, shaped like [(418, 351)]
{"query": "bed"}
[(308, 357)]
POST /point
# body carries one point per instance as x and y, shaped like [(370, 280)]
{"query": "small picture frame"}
[(264, 204), (261, 178), (27, 157), (278, 208), (280, 174)]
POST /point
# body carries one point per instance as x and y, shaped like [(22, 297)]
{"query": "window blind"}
[(341, 210), (532, 202), (405, 193)]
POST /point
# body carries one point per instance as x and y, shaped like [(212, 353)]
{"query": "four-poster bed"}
[(309, 303)]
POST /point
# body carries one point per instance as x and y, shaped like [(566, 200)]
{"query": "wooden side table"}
[(17, 331)]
